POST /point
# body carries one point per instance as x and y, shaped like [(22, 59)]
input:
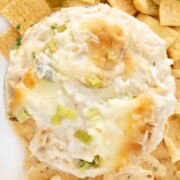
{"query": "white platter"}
[(11, 150)]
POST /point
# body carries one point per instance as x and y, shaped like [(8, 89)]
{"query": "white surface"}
[(11, 151)]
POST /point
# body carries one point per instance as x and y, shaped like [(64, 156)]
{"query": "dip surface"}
[(97, 83)]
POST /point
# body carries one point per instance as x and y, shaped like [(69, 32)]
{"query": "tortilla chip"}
[(177, 28), (8, 39), (178, 174), (170, 12), (57, 3), (148, 7), (56, 178), (3, 3), (177, 108), (157, 1), (176, 74), (89, 1), (174, 50), (176, 64), (172, 138), (151, 163), (124, 5), (72, 3), (23, 13), (161, 153), (40, 172), (134, 172), (166, 33)]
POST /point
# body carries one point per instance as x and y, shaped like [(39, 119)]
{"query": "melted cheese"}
[(110, 40), (29, 79), (133, 113)]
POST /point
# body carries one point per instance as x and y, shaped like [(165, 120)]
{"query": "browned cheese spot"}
[(133, 132), (16, 100), (29, 79), (110, 42)]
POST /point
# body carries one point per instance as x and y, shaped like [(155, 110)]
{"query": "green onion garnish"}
[(82, 165), (53, 47), (33, 55), (93, 81), (83, 137), (61, 28), (56, 119), (66, 112), (97, 161), (94, 113), (18, 43), (18, 27), (53, 27), (155, 168), (22, 116)]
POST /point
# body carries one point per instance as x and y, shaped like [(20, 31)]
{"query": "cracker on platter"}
[(8, 39), (172, 138), (170, 12), (125, 5), (166, 33), (3, 3), (174, 50), (148, 7), (23, 13)]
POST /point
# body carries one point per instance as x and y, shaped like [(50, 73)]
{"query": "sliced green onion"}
[(22, 116), (83, 137), (53, 47), (53, 27), (18, 27), (93, 81), (33, 55), (97, 161), (111, 56), (155, 168), (56, 119), (82, 165), (18, 43), (94, 113), (67, 113), (61, 28)]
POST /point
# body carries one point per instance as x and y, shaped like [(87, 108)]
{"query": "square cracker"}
[(8, 39), (57, 3), (170, 12), (161, 153), (3, 3), (157, 1), (24, 13), (124, 5), (172, 138), (176, 64), (166, 33), (174, 50), (177, 28)]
